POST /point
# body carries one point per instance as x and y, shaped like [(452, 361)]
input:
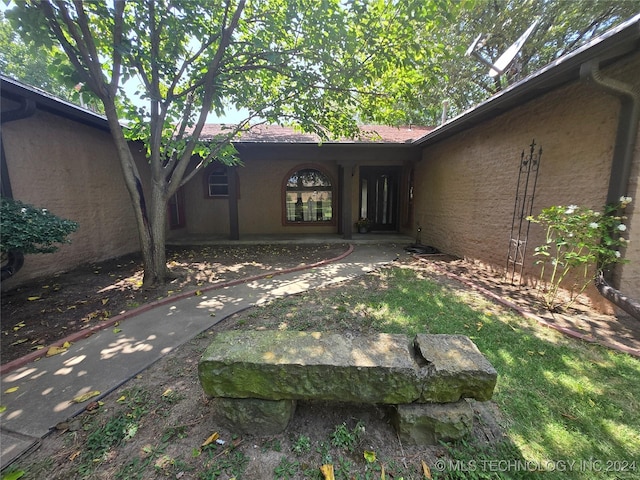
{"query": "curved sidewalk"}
[(110, 357)]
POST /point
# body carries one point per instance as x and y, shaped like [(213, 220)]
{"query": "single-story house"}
[(458, 182)]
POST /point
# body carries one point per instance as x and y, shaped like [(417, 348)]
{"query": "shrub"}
[(31, 230), (580, 242)]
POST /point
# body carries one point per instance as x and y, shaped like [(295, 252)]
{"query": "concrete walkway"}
[(106, 360)]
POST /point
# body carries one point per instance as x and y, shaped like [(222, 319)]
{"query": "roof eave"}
[(16, 90), (329, 144)]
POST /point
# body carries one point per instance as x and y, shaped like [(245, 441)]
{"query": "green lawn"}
[(571, 408), (570, 405)]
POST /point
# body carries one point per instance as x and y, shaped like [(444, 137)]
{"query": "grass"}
[(570, 409), (569, 405)]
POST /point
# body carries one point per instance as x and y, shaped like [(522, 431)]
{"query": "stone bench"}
[(257, 377)]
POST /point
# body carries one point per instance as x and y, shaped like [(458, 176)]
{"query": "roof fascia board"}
[(16, 90)]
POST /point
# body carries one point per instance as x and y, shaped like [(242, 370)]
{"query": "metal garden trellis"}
[(522, 208)]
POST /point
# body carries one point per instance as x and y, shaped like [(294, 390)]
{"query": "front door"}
[(379, 196)]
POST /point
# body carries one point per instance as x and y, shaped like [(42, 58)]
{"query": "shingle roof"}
[(280, 134)]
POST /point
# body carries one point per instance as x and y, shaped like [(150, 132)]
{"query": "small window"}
[(218, 182), (308, 197)]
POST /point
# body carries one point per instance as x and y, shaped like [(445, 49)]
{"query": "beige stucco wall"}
[(72, 170), (260, 182), (259, 202), (465, 185)]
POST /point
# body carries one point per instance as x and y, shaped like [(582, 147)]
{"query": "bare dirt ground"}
[(168, 418), (41, 312), (620, 330)]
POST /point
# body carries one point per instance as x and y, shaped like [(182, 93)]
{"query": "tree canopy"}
[(463, 81), (319, 64), (45, 66), (315, 63)]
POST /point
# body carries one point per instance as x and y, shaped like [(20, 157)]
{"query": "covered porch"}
[(288, 239)]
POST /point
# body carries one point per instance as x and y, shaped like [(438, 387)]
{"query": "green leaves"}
[(31, 230), (578, 238)]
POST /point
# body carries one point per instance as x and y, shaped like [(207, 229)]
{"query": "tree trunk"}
[(156, 271), (150, 217)]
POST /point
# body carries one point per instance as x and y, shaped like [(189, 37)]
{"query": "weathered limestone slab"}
[(251, 415), (277, 365), (456, 369), (380, 368), (430, 423)]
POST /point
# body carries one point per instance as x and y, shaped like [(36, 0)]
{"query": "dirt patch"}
[(41, 312), (621, 330)]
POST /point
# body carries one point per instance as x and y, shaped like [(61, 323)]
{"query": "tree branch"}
[(118, 21), (75, 54), (209, 88)]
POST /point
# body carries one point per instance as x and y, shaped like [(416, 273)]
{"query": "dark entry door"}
[(379, 196)]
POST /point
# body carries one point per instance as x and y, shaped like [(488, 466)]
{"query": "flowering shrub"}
[(31, 230), (580, 242)]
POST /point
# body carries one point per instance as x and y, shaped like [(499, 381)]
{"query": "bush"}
[(31, 230), (580, 243)]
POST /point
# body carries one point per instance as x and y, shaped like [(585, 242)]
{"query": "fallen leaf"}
[(121, 399), (146, 450), (18, 342), (31, 299), (167, 392), (18, 326), (117, 330), (3, 408), (198, 293), (57, 350), (85, 396), (164, 461), (327, 472), (426, 471), (212, 438), (382, 474), (74, 455), (369, 456)]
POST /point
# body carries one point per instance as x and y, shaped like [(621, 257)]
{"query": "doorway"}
[(379, 197)]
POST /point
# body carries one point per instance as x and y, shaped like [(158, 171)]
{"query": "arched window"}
[(308, 197)]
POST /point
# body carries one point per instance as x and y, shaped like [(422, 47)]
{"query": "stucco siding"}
[(73, 171), (260, 203)]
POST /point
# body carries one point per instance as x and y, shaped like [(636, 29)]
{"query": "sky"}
[(231, 115)]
